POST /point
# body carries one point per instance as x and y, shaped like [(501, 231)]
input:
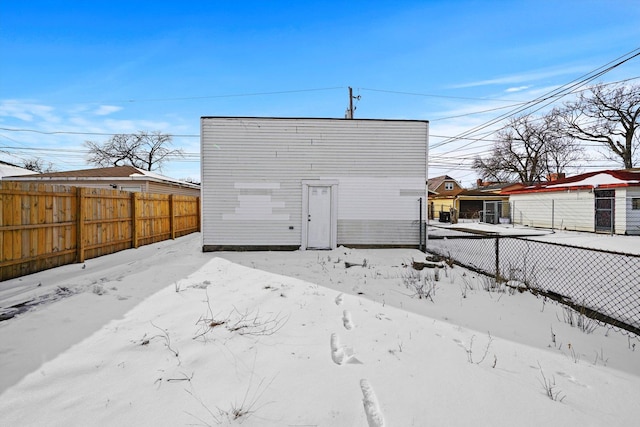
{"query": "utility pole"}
[(351, 109)]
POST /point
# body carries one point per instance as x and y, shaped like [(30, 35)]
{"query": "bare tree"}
[(562, 150), (191, 180), (144, 150), (36, 164), (610, 116), (527, 150)]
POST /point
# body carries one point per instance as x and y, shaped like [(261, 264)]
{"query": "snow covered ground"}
[(167, 335), (606, 242)]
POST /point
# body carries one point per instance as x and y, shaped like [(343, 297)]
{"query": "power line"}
[(304, 90), (438, 96), (521, 103), (196, 98), (236, 95), (571, 87), (63, 132), (553, 94)]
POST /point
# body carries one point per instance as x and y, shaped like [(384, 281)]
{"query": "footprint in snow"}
[(339, 299), (371, 407), (341, 354), (347, 321), (571, 379)]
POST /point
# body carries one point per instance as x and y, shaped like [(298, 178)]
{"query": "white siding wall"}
[(574, 210), (632, 225), (622, 207), (568, 210), (253, 168)]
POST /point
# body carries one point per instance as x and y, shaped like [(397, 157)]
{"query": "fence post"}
[(79, 224), (498, 258), (420, 224), (172, 227), (198, 207), (613, 215), (512, 214), (134, 220)]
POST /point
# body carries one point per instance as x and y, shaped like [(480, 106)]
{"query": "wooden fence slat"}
[(80, 224), (43, 226), (134, 220)]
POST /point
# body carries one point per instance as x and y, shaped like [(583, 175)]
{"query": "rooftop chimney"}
[(555, 176)]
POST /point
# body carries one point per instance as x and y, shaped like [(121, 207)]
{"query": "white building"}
[(604, 201), (299, 183), (8, 169), (124, 178)]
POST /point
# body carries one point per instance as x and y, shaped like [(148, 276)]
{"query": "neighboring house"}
[(312, 183), (445, 189), (488, 202), (8, 169), (485, 206), (125, 178), (485, 203), (500, 187), (604, 201)]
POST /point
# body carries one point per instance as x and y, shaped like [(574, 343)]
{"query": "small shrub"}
[(491, 284), (422, 288), (469, 351), (579, 320), (467, 286), (550, 388)]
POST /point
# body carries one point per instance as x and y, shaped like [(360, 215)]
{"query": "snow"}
[(605, 242), (168, 335), (10, 170), (594, 181)]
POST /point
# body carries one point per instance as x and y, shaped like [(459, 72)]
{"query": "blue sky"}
[(81, 70)]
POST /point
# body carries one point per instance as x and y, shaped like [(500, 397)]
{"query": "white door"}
[(319, 217)]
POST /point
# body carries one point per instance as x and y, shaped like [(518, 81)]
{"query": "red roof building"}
[(603, 201)]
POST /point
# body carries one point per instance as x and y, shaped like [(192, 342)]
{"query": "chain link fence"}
[(579, 211), (602, 285)]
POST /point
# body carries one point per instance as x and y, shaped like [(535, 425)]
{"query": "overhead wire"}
[(437, 96), (552, 95), (204, 97), (570, 87), (517, 103)]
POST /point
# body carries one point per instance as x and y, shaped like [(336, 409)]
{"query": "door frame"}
[(598, 194), (333, 184)]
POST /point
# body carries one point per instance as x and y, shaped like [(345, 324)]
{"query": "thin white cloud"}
[(524, 77), (27, 111), (517, 89), (105, 110)]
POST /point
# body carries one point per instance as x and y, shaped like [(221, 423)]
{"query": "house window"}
[(635, 203), (133, 189), (448, 186)]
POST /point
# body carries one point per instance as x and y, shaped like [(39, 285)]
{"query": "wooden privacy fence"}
[(44, 226)]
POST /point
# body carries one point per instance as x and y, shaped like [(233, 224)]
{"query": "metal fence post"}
[(498, 258), (420, 224)]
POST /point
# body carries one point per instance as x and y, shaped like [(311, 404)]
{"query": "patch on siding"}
[(256, 208), (257, 185), (412, 193), (255, 192)]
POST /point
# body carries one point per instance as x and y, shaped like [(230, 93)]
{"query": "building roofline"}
[(316, 118), (140, 175), (580, 182)]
